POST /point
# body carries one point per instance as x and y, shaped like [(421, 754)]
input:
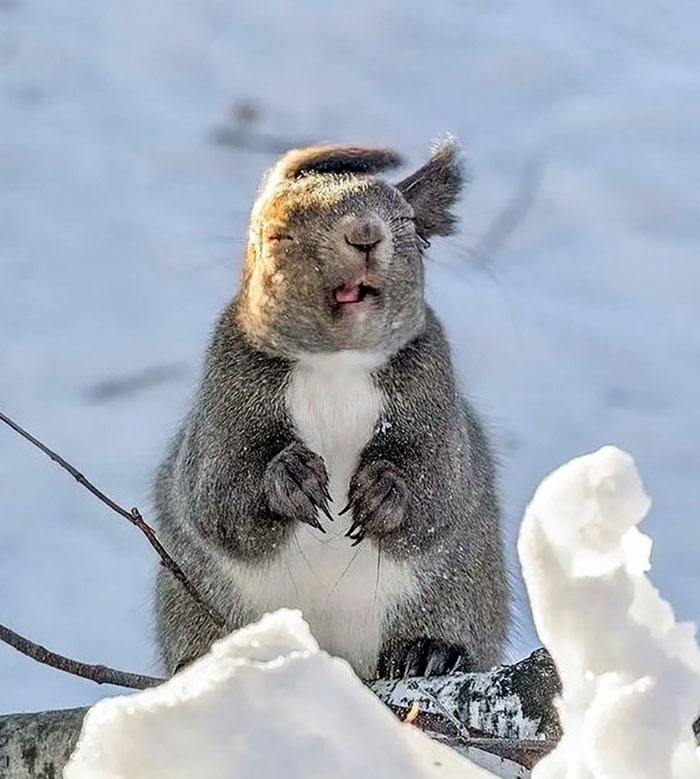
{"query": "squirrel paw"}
[(378, 498), (422, 657), (296, 485)]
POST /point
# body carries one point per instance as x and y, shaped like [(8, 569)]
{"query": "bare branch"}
[(133, 516), (101, 674), (240, 136), (512, 214)]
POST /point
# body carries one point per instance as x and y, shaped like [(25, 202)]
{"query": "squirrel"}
[(329, 462)]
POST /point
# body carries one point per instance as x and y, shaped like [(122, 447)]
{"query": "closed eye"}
[(280, 237)]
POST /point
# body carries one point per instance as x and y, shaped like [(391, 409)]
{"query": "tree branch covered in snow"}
[(508, 711), (133, 516), (38, 744)]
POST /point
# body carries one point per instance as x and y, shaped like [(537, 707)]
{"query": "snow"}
[(265, 702), (122, 228), (630, 672)]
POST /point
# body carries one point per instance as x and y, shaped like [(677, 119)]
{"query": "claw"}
[(315, 504), (313, 521), (324, 509), (357, 540), (347, 508), (353, 528), (326, 493), (319, 506)]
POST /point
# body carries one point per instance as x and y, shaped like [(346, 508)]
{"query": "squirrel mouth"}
[(349, 295)]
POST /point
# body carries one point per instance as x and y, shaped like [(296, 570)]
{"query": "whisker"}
[(223, 238), (509, 218), (308, 564), (501, 286), (345, 570), (291, 578), (376, 581)]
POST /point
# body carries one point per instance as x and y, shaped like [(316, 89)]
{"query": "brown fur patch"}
[(338, 159)]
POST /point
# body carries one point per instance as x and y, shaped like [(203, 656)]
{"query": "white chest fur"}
[(344, 592)]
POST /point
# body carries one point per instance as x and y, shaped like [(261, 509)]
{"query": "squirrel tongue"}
[(348, 293)]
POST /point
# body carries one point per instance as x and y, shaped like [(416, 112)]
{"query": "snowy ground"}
[(120, 239)]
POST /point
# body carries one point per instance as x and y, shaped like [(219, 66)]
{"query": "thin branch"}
[(133, 516), (242, 137), (101, 674), (459, 726), (523, 752), (507, 220)]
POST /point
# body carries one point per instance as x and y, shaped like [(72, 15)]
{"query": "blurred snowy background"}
[(124, 191)]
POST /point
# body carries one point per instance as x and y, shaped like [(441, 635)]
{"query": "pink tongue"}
[(348, 293)]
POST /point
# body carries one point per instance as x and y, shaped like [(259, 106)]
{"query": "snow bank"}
[(631, 675), (264, 703)]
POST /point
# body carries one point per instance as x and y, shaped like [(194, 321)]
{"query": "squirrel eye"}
[(280, 237)]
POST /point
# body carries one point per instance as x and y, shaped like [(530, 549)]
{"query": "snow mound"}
[(630, 673), (264, 703)]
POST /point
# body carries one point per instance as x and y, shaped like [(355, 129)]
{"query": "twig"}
[(239, 136), (101, 674), (133, 516), (525, 753), (459, 726), (507, 220), (521, 750)]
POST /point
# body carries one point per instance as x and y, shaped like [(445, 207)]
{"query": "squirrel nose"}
[(364, 235), (363, 247)]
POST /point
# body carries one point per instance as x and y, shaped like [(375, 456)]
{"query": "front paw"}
[(422, 657), (296, 485), (379, 498)]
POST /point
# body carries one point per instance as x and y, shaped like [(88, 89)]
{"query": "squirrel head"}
[(335, 253)]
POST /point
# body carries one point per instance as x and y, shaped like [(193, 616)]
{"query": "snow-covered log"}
[(37, 746), (486, 712), (508, 711)]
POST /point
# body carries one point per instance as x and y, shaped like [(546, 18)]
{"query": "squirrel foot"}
[(422, 657), (378, 499), (296, 485)]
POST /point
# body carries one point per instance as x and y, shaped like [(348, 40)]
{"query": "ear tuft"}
[(336, 159), (433, 189)]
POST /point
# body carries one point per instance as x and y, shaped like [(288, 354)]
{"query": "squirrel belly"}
[(345, 593)]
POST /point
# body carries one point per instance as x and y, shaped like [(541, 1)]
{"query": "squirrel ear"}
[(336, 159), (433, 189)]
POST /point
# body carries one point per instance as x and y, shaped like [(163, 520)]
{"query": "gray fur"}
[(433, 189), (237, 479)]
